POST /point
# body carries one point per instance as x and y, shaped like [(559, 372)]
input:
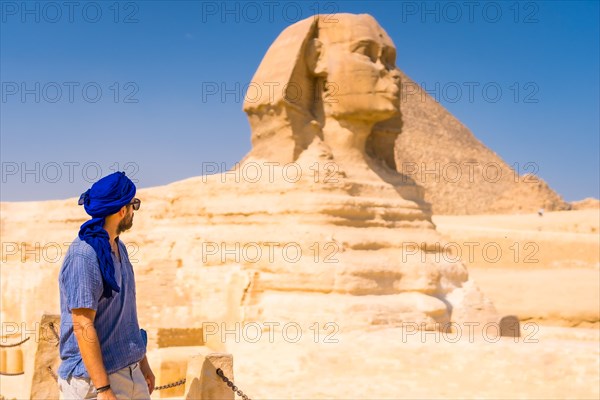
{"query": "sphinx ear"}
[(315, 57)]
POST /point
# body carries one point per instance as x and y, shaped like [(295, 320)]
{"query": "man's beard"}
[(125, 224)]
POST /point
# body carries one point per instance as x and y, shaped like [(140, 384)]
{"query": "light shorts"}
[(126, 383)]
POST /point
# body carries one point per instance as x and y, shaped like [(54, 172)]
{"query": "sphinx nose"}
[(395, 75)]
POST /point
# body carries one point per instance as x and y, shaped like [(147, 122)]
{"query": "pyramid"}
[(460, 174)]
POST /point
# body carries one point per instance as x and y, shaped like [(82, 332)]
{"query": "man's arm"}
[(89, 346)]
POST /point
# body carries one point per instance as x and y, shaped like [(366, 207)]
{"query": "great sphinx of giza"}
[(335, 107)]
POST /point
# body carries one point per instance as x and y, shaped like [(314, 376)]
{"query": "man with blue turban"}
[(102, 348)]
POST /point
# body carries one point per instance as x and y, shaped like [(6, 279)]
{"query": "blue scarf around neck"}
[(104, 198)]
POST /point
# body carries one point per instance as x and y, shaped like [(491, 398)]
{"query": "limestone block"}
[(202, 380), (43, 385)]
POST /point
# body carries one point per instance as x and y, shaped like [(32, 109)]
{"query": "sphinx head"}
[(355, 61), (338, 67)]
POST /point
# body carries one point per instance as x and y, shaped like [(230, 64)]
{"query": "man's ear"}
[(315, 57)]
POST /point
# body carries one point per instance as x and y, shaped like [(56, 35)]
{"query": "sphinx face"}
[(362, 81)]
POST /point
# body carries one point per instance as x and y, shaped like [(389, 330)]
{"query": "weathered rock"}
[(47, 359), (202, 381)]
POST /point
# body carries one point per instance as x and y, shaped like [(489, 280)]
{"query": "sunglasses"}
[(136, 203)]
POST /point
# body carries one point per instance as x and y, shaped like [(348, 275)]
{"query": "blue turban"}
[(104, 198)]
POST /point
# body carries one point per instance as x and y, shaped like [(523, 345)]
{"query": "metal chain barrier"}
[(231, 385), (51, 325), (15, 344), (170, 385)]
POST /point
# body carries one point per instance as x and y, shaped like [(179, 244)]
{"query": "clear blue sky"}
[(162, 54)]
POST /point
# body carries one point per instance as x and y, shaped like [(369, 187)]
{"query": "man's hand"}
[(148, 375), (107, 395)]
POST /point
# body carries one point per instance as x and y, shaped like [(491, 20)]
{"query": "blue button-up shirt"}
[(80, 282)]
